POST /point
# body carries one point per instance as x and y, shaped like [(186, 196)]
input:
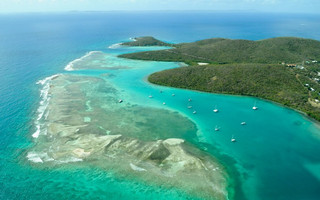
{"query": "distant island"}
[(145, 41), (284, 70)]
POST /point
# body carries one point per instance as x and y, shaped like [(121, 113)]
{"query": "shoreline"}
[(290, 94), (236, 95)]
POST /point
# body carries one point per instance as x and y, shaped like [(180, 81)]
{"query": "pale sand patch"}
[(173, 141), (202, 63), (80, 153)]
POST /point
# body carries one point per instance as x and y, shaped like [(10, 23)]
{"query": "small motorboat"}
[(243, 123), (189, 107), (194, 112), (164, 103), (189, 100), (173, 95), (120, 100), (233, 139), (150, 96), (215, 109), (216, 128)]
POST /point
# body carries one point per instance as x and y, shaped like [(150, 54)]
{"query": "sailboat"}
[(255, 107), (216, 128), (233, 139)]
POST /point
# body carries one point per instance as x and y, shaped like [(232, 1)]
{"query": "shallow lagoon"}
[(275, 150)]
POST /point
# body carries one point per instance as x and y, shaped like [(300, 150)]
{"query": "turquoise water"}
[(274, 149), (275, 156)]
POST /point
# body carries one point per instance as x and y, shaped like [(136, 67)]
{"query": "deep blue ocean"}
[(35, 46)]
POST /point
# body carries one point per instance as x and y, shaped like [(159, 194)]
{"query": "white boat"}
[(243, 123), (215, 109), (194, 112), (150, 96), (255, 107), (233, 139), (189, 100), (120, 100), (189, 107), (173, 95), (216, 128), (164, 103)]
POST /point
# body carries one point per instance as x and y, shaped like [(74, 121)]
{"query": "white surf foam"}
[(42, 82), (42, 108), (34, 158), (44, 92), (115, 46), (46, 114), (69, 66), (70, 160), (37, 133), (44, 102), (39, 157)]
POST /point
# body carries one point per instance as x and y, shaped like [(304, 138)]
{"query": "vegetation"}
[(243, 67), (146, 41), (223, 51)]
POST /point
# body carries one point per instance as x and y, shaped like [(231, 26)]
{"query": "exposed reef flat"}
[(160, 162), (84, 122)]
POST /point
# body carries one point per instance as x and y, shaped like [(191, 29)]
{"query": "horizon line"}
[(135, 11)]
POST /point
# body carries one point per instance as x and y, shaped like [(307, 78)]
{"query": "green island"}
[(145, 41), (284, 69)]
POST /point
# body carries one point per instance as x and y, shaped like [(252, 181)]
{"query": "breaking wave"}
[(69, 66), (115, 46), (44, 102)]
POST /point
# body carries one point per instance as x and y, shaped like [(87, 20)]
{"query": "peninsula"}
[(284, 70)]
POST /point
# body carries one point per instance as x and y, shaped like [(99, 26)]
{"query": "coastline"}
[(244, 96), (291, 93), (235, 95)]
